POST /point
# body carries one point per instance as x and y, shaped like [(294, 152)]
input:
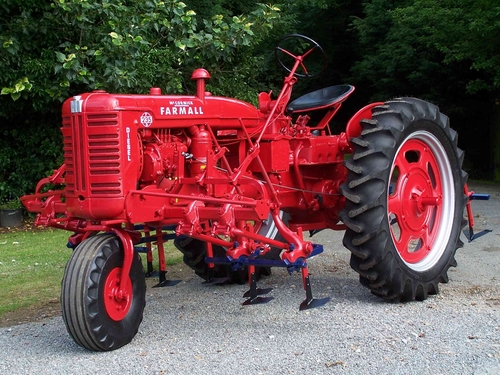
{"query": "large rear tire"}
[(404, 200), (95, 318)]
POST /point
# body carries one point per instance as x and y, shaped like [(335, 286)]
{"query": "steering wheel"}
[(299, 43)]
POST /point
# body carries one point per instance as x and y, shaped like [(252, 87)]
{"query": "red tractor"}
[(235, 187)]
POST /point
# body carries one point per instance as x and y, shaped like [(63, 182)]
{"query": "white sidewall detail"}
[(448, 200)]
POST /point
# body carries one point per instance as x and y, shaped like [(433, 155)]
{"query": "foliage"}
[(120, 46), (50, 51), (408, 44), (327, 22), (465, 31), (10, 204), (28, 151), (447, 52)]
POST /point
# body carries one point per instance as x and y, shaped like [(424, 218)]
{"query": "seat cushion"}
[(321, 98)]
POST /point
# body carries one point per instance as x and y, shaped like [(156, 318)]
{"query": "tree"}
[(53, 50), (118, 46), (466, 34), (464, 31), (446, 52)]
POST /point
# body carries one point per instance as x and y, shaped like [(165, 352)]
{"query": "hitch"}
[(473, 196)]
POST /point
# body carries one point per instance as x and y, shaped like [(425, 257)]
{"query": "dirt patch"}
[(491, 249), (474, 291), (27, 226), (31, 314), (43, 310)]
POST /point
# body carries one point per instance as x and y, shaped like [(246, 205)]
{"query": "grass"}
[(32, 265)]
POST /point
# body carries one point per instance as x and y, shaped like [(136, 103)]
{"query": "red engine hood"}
[(159, 111)]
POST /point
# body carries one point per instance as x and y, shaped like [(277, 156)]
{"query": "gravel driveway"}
[(198, 329)]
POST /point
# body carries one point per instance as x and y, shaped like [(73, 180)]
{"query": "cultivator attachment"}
[(254, 293), (310, 302), (158, 239)]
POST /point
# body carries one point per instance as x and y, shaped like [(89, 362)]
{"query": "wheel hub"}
[(415, 200), (117, 300)]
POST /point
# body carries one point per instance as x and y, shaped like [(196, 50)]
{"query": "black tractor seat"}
[(321, 98)]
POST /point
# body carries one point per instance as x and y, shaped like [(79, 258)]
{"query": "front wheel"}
[(404, 200), (96, 315)]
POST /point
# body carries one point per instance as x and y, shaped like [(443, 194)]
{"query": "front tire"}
[(404, 200), (95, 318)]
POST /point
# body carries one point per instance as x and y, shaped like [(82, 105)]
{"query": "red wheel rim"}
[(420, 196), (117, 302)]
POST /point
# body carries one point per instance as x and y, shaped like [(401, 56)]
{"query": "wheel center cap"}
[(417, 201)]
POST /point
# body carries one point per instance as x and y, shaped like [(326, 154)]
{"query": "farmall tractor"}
[(236, 187)]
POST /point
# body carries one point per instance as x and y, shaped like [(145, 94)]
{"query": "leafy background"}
[(447, 52)]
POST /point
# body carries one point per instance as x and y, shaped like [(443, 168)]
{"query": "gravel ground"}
[(198, 329)]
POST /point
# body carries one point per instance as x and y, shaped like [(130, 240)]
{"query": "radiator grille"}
[(69, 178), (92, 155)]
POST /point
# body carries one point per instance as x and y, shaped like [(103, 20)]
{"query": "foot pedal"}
[(310, 302), (255, 292)]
